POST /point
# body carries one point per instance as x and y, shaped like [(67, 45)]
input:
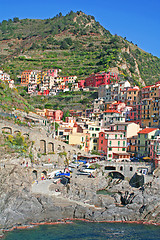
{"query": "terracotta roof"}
[(132, 89), (147, 130), (148, 86), (75, 125), (111, 111)]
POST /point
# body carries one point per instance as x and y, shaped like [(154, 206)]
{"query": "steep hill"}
[(77, 44)]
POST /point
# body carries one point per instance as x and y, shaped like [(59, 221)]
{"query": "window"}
[(121, 168), (123, 149), (116, 136), (110, 149), (110, 143), (101, 141), (131, 169), (110, 167), (118, 143), (123, 143)]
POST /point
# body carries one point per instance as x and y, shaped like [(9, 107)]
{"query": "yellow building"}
[(154, 108), (80, 139), (146, 112), (150, 106), (40, 76), (132, 96)]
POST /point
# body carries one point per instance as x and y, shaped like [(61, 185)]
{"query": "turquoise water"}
[(87, 231)]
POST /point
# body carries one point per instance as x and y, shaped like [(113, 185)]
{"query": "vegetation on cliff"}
[(10, 98), (77, 44)]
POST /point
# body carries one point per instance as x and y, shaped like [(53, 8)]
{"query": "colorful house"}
[(112, 116), (128, 128), (101, 78), (112, 142), (54, 115), (25, 77), (144, 137)]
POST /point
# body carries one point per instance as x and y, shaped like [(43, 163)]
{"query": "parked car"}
[(53, 174), (74, 165)]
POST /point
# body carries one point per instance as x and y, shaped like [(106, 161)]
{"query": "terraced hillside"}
[(77, 44)]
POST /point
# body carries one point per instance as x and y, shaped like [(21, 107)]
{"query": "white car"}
[(53, 174), (74, 165), (88, 170)]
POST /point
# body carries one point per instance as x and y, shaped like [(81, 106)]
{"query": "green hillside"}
[(10, 99), (75, 43)]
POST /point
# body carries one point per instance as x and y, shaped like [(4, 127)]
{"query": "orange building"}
[(132, 96), (25, 77)]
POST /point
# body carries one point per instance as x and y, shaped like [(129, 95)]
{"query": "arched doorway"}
[(7, 130), (34, 174), (17, 132), (50, 147), (42, 146), (26, 135), (59, 148)]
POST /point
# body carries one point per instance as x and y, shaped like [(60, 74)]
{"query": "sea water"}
[(87, 231)]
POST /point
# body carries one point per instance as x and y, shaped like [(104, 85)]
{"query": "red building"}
[(44, 93), (98, 79), (81, 84)]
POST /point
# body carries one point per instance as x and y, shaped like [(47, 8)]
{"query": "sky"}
[(138, 20)]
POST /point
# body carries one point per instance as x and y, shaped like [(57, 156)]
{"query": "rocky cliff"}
[(20, 205)]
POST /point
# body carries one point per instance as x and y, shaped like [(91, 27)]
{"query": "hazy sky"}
[(138, 20)]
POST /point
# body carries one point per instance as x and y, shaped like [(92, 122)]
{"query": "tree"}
[(64, 45), (68, 41), (65, 114), (15, 19)]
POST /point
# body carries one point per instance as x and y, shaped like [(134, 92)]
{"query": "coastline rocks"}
[(20, 206)]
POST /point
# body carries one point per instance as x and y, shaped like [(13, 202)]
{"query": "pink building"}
[(55, 115), (52, 72), (111, 143)]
